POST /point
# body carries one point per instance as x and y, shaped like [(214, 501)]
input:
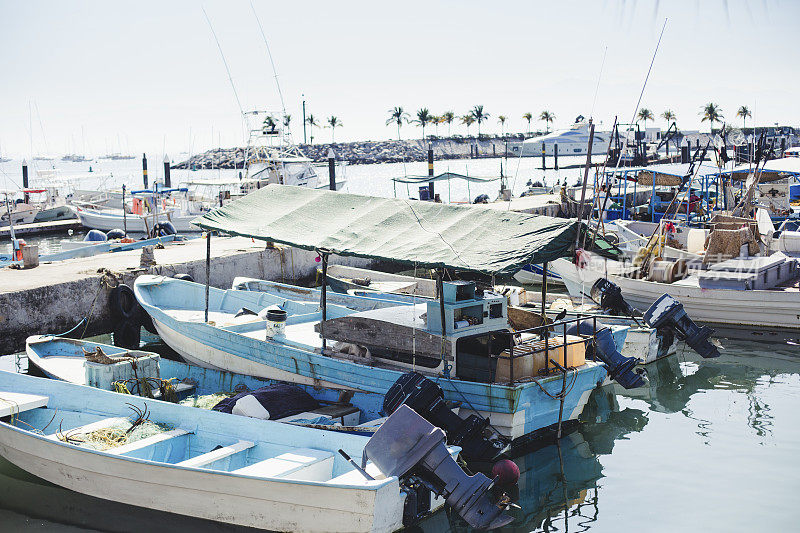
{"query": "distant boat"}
[(193, 462), (573, 141), (75, 158)]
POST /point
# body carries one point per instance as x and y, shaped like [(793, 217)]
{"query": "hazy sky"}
[(139, 76)]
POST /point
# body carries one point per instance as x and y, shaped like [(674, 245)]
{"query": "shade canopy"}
[(407, 231), (443, 177)]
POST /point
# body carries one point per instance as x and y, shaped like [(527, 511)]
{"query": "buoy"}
[(115, 234), (506, 471), (95, 235)]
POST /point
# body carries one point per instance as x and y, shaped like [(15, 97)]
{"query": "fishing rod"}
[(633, 118), (271, 61), (224, 61)]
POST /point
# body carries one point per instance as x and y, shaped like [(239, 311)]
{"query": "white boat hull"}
[(134, 223), (772, 309), (253, 502)]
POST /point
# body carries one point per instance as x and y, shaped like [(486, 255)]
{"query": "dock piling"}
[(144, 170), (555, 156), (25, 178), (331, 169), (544, 163), (167, 180), (430, 170)]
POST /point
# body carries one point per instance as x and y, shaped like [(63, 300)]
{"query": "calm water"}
[(710, 445)]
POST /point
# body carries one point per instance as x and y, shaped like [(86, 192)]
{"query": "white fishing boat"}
[(204, 464), (146, 209), (729, 295)]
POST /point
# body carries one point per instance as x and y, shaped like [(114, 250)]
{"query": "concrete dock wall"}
[(53, 298)]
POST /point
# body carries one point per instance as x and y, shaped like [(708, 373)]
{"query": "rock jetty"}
[(369, 152)]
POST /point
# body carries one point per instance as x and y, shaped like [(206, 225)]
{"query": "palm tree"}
[(645, 115), (437, 121), (448, 117), (479, 115), (268, 126), (423, 117), (528, 116), (502, 120), (397, 115), (712, 113), (669, 116), (333, 123), (745, 113), (287, 119), (548, 118), (311, 120), (468, 120)]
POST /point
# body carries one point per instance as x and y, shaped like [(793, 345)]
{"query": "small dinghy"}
[(210, 465)]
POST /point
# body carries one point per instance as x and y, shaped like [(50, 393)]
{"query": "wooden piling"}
[(167, 179), (144, 170)]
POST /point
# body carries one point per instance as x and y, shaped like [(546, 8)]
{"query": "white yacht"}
[(573, 141)]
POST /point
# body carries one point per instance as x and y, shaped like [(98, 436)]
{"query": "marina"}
[(473, 295)]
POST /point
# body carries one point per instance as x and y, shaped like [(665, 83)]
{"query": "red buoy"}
[(506, 472)]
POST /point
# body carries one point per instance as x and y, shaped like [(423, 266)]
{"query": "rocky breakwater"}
[(370, 152)]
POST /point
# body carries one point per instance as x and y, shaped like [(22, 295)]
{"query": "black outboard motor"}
[(427, 399), (620, 368), (668, 313), (162, 229), (406, 445), (609, 296), (115, 234)]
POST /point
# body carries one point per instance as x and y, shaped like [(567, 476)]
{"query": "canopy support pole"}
[(208, 270), (544, 317), (440, 294), (583, 188), (324, 300)]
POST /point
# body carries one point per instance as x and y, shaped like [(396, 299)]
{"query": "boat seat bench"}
[(12, 403), (215, 455), (301, 463), (149, 441)]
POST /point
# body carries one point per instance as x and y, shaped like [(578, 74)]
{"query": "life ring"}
[(123, 302)]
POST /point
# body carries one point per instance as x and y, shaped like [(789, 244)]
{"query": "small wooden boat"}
[(193, 462), (516, 406), (65, 359)]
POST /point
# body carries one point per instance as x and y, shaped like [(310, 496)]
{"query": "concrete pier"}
[(53, 298)]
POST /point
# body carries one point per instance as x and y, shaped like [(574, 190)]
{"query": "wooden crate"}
[(529, 357)]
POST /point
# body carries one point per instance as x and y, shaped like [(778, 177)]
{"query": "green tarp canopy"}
[(442, 177), (426, 234)]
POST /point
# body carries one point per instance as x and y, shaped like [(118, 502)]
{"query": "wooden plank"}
[(380, 336), (12, 403), (216, 455), (94, 426), (149, 441)]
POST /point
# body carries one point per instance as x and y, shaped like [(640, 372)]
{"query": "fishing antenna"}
[(597, 87), (271, 61), (224, 61)]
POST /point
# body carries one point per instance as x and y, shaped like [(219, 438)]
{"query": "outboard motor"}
[(408, 446), (427, 399), (609, 296), (620, 368), (95, 235), (668, 313)]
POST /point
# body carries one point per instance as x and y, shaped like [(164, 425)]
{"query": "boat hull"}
[(771, 311), (134, 223)]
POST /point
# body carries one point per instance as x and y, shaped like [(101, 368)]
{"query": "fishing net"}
[(206, 401), (114, 436)]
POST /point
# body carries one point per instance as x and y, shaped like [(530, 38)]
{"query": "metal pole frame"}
[(208, 270), (323, 304), (440, 291)]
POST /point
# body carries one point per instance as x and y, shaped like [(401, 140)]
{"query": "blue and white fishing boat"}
[(461, 340), (194, 462)]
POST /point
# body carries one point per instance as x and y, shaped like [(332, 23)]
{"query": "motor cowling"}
[(620, 368), (668, 313), (408, 445), (609, 296), (427, 399)]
